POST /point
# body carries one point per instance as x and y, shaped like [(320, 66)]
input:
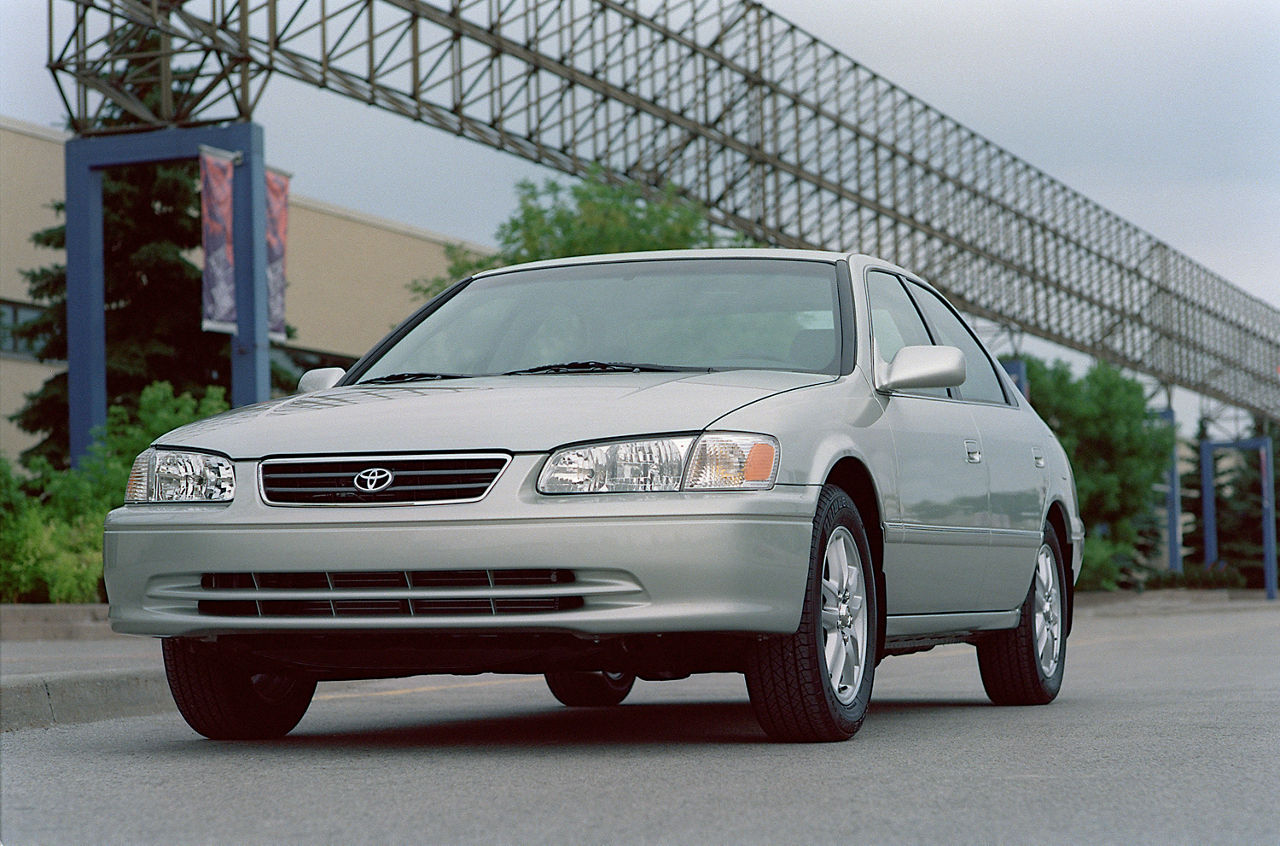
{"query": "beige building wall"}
[(18, 377), (348, 275), (31, 178), (347, 272)]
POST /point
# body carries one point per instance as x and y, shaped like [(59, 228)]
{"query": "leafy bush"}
[(51, 522), (48, 560), (1198, 577), (1104, 563)]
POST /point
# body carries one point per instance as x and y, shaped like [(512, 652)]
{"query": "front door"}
[(937, 547)]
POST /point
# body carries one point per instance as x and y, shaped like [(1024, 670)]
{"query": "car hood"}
[(516, 413)]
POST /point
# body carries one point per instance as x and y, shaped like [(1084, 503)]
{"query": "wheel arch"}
[(1057, 518), (855, 479)]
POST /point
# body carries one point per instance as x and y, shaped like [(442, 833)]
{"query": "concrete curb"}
[(41, 701), (1171, 601)]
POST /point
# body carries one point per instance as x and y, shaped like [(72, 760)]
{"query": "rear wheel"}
[(586, 688), (1024, 665), (226, 700), (815, 685)]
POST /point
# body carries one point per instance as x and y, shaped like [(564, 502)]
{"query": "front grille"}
[(389, 593), (413, 479)]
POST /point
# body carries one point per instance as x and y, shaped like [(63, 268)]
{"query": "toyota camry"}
[(785, 464)]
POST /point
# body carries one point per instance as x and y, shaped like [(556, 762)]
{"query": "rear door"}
[(1013, 451)]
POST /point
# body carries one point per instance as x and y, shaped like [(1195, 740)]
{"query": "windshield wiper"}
[(411, 377), (602, 367)]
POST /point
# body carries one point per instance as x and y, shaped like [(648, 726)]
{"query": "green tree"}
[(591, 216), (151, 221), (1118, 451)]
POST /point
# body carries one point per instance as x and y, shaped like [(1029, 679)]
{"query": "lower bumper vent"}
[(388, 593)]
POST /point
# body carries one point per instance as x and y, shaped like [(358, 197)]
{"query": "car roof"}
[(857, 261), (655, 255)]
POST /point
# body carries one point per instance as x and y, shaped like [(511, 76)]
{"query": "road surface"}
[(1167, 731)]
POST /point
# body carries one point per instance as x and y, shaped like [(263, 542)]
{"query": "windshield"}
[(688, 314)]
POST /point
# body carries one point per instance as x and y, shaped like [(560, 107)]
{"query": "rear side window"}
[(981, 383), (895, 322)]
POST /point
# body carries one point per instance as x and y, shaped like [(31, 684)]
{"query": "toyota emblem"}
[(373, 480)]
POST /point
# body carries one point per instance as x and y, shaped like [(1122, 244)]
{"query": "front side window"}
[(895, 322), (694, 314), (981, 383)]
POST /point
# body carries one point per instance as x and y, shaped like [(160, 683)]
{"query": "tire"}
[(580, 689), (225, 700), (795, 693), (1024, 665)]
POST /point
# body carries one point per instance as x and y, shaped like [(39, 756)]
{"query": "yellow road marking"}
[(425, 688)]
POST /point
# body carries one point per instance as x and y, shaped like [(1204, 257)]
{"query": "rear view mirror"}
[(319, 379), (924, 366)]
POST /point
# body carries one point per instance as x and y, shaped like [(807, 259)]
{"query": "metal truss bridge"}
[(779, 135)]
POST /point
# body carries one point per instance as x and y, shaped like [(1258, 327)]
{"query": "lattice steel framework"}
[(778, 134)]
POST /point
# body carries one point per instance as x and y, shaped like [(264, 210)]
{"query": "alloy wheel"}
[(1047, 624), (844, 615)]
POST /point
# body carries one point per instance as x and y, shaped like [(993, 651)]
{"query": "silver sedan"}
[(781, 463)]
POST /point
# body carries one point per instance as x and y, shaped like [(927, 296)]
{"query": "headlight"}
[(713, 461), (165, 475), (654, 464)]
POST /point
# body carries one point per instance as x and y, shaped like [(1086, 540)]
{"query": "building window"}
[(13, 314)]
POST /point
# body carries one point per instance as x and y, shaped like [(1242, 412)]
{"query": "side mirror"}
[(924, 367), (319, 379)]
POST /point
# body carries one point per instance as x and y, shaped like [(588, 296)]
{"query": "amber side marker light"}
[(759, 465)]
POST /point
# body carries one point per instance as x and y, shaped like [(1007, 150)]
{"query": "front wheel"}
[(226, 700), (587, 689), (815, 685), (1024, 665)]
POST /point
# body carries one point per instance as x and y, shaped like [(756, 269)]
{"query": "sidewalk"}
[(62, 664)]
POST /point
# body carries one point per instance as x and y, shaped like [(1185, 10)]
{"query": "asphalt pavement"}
[(63, 664), (1165, 732)]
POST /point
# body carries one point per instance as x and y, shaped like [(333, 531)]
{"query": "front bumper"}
[(650, 563)]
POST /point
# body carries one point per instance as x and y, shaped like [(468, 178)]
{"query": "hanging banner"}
[(216, 171), (216, 203), (277, 235)]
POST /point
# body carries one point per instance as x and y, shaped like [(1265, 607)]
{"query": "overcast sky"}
[(1166, 113)]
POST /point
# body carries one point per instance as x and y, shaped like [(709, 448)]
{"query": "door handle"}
[(1037, 455), (973, 452)]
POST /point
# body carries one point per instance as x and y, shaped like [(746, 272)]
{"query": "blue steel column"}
[(1173, 502), (1267, 455), (1208, 508), (250, 362), (86, 327), (86, 319), (1173, 506)]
